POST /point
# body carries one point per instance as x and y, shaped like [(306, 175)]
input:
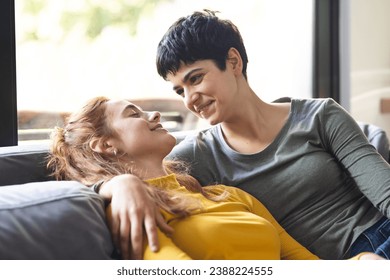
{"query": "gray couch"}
[(41, 218)]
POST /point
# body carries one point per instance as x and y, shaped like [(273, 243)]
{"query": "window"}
[(369, 65), (68, 51)]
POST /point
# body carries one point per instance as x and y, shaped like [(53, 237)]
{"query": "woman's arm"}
[(361, 160), (132, 212)]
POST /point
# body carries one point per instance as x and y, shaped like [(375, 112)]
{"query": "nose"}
[(190, 98), (154, 116)]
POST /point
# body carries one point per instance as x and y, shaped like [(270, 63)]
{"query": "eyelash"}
[(193, 80), (180, 92), (135, 115)]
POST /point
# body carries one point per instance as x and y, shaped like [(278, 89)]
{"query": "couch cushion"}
[(23, 164), (53, 220), (378, 138)]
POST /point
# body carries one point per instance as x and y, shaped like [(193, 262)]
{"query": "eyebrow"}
[(186, 77), (129, 107)]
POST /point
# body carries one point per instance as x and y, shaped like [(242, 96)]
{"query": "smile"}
[(158, 127), (204, 107)]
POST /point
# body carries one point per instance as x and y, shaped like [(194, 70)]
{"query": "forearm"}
[(107, 188), (364, 165)]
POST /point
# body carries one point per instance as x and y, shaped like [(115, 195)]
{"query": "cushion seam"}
[(45, 200)]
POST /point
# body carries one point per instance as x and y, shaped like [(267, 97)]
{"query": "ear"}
[(235, 61), (100, 146)]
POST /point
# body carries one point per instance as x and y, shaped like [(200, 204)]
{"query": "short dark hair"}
[(199, 36)]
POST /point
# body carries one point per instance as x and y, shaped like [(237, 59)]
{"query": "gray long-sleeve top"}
[(320, 177)]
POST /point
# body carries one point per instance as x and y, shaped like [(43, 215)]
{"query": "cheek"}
[(137, 146), (229, 86), (221, 86), (131, 136)]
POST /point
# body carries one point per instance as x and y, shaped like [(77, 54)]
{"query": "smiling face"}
[(139, 135), (207, 91)]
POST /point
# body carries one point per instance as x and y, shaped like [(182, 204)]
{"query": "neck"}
[(149, 170), (255, 124), (247, 119), (155, 173)]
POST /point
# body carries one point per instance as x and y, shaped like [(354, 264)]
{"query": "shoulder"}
[(197, 139), (316, 107), (313, 103)]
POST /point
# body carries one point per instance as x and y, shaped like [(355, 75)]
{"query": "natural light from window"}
[(71, 50)]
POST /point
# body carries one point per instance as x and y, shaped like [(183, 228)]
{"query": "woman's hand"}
[(370, 256), (131, 212)]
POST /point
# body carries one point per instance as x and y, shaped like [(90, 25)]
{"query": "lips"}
[(158, 126), (203, 107)]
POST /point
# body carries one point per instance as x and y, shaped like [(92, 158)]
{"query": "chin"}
[(173, 138), (213, 121), (171, 142)]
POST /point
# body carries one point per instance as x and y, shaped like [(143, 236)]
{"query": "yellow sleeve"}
[(168, 250), (290, 248)]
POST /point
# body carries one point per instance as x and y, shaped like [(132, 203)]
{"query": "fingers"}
[(127, 229), (119, 226), (124, 238), (144, 221), (131, 234), (151, 229), (136, 251), (151, 233), (133, 212), (162, 224)]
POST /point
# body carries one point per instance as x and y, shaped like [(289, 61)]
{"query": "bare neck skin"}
[(254, 124), (147, 168)]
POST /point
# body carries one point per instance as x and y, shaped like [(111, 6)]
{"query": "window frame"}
[(8, 104), (326, 62)]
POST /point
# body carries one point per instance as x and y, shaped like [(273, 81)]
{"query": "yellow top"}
[(237, 228)]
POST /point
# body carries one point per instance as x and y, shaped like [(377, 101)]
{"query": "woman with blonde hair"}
[(112, 138)]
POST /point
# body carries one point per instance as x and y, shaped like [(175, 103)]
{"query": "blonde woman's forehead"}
[(116, 108), (118, 102)]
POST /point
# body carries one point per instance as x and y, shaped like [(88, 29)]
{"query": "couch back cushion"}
[(23, 164), (53, 220)]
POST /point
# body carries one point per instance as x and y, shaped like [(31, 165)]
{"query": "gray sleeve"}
[(360, 159)]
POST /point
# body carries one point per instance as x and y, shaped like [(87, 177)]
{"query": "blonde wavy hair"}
[(71, 158)]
